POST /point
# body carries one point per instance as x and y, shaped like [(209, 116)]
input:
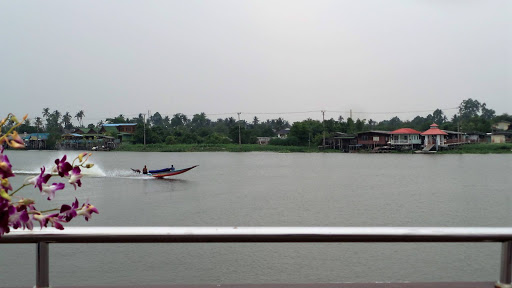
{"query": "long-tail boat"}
[(168, 172)]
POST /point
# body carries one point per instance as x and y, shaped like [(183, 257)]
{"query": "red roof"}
[(434, 131), (405, 131)]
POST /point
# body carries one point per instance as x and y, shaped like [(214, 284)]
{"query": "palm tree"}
[(46, 112), (79, 116), (39, 123), (57, 115), (66, 120)]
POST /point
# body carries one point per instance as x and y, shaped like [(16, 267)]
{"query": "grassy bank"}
[(483, 148), (214, 148)]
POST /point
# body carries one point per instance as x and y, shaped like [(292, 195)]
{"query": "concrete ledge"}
[(319, 285)]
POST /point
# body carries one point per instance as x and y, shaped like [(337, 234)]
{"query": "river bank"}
[(481, 148)]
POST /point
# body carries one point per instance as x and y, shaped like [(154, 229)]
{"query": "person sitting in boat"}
[(172, 167), (144, 170)]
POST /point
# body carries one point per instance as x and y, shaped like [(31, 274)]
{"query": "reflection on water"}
[(272, 189)]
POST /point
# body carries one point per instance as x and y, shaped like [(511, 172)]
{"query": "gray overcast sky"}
[(127, 57)]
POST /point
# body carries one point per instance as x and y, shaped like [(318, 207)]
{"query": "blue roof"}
[(119, 124), (42, 136)]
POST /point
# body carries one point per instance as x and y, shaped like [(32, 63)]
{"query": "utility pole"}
[(458, 127), (144, 120), (239, 134), (323, 125)]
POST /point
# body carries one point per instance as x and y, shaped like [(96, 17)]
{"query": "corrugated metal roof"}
[(40, 136), (119, 124), (375, 131), (73, 134)]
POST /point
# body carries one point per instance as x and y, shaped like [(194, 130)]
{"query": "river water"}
[(274, 189)]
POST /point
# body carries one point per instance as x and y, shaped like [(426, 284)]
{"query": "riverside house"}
[(372, 139), (282, 134), (342, 141), (501, 132), (35, 140), (124, 131), (405, 138)]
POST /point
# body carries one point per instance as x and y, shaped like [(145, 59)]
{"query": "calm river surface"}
[(273, 189)]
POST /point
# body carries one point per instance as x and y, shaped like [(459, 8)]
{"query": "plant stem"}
[(19, 189), (56, 209)]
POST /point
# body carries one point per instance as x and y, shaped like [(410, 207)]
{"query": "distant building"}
[(372, 139), (343, 141), (474, 136), (282, 134), (124, 131), (78, 131), (35, 140), (263, 140), (501, 126), (405, 137), (501, 132)]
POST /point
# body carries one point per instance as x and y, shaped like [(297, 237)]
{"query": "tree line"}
[(472, 116)]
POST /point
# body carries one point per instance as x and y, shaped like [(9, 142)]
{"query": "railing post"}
[(506, 265), (43, 265)]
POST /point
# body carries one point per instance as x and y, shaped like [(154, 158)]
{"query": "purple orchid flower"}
[(75, 177), (69, 212), (86, 210), (50, 218), (50, 189), (62, 167), (20, 219), (5, 165), (39, 180)]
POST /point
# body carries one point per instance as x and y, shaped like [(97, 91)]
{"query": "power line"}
[(268, 113), (394, 112), (281, 113)]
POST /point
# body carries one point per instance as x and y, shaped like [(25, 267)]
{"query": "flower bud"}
[(26, 201), (81, 156), (16, 145), (4, 195)]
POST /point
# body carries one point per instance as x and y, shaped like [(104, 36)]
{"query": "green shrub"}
[(289, 141)]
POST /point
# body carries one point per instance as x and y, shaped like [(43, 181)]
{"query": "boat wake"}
[(95, 172), (125, 173)]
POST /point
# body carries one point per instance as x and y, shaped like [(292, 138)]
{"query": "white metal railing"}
[(401, 141), (259, 235)]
